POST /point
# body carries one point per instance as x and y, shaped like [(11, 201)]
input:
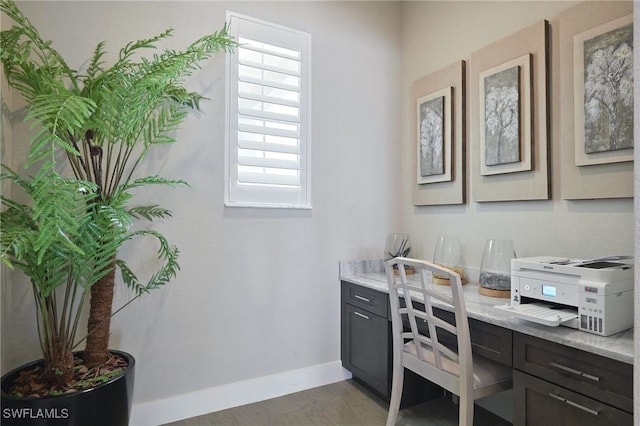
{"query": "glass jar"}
[(397, 245), (495, 270), (447, 253)]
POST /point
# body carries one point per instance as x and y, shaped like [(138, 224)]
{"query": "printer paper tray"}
[(540, 313)]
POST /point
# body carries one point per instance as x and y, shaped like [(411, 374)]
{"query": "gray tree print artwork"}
[(502, 117), (432, 137), (608, 91)]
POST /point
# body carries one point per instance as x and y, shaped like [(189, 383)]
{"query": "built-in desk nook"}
[(561, 375)]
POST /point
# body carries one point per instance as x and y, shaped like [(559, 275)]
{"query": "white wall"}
[(436, 34), (258, 292)]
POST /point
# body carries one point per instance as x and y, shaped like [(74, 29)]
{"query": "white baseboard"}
[(154, 413)]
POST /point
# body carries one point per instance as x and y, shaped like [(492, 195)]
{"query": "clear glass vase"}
[(397, 245), (448, 253), (495, 270)]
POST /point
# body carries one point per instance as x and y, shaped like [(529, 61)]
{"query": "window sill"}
[(269, 205)]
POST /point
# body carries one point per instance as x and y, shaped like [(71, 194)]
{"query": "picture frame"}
[(604, 180), (505, 117), (434, 136), (450, 83), (530, 177), (604, 112)]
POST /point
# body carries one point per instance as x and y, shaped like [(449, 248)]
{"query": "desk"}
[(590, 379)]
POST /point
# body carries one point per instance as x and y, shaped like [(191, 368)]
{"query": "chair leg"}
[(396, 393), (466, 411)]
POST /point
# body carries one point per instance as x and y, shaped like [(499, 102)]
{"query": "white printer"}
[(595, 296)]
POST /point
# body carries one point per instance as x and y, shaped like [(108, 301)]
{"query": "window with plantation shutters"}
[(268, 74)]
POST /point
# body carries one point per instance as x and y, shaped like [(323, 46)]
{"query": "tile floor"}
[(344, 403)]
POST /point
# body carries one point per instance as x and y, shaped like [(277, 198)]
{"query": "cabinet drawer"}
[(604, 379), (491, 341), (370, 300), (538, 402)]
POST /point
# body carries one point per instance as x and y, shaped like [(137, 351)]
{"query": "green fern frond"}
[(167, 271), (149, 43), (61, 112), (167, 120), (149, 212), (96, 61), (57, 206), (8, 173), (153, 180), (129, 278), (58, 116), (116, 216), (23, 42)]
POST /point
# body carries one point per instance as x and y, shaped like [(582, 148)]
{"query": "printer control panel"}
[(550, 291)]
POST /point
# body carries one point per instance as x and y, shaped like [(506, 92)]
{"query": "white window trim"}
[(231, 128)]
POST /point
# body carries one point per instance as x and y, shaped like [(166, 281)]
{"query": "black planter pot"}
[(108, 404)]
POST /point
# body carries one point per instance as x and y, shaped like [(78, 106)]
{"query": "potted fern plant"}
[(74, 210)]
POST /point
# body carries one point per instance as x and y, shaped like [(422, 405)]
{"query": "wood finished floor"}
[(344, 403)]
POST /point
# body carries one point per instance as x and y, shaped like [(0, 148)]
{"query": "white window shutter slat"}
[(268, 147)]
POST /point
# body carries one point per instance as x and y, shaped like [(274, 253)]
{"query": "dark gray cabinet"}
[(366, 343), (553, 384), (366, 346), (557, 384)]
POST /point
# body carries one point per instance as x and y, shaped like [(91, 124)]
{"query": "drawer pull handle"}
[(574, 404), (576, 372), (486, 348), (361, 315), (364, 299)]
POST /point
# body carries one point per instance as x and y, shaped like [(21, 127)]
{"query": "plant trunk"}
[(60, 367), (97, 348)]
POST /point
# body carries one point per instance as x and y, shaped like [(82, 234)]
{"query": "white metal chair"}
[(420, 349)]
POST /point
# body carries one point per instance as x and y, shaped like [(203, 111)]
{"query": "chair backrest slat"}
[(418, 298)]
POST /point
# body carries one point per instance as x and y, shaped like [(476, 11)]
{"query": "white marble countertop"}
[(370, 273)]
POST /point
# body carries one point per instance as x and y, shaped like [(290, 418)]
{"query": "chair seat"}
[(485, 371)]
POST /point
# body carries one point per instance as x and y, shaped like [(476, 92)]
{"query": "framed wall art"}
[(438, 100), (509, 88), (596, 120), (434, 136), (603, 93), (505, 117)]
